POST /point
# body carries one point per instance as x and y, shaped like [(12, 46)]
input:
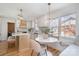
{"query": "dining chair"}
[(38, 50)]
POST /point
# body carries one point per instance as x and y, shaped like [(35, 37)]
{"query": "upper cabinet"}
[(23, 24)]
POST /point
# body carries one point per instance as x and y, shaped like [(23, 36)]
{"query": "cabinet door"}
[(23, 24), (24, 42), (24, 45)]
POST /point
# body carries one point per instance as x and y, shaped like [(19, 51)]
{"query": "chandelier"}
[(49, 4), (49, 17)]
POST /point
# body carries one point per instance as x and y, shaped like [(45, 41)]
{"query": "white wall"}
[(3, 29), (43, 21)]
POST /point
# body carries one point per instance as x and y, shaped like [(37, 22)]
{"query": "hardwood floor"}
[(14, 52), (11, 52), (54, 51)]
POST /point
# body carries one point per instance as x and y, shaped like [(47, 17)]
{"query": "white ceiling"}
[(29, 9)]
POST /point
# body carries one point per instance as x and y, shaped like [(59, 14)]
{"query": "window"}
[(68, 25), (64, 28), (54, 26)]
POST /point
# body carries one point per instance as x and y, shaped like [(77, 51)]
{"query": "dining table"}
[(48, 40), (45, 41)]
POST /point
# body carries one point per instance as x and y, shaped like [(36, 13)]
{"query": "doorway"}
[(11, 39), (11, 27)]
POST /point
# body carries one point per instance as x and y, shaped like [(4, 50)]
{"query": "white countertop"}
[(19, 34)]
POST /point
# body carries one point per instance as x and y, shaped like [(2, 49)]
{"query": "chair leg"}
[(46, 52), (32, 53)]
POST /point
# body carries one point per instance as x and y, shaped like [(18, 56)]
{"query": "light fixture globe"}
[(20, 15)]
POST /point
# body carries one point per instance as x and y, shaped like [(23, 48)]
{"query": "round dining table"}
[(46, 41)]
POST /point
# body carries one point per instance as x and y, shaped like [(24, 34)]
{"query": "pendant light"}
[(20, 15), (49, 16), (49, 4)]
